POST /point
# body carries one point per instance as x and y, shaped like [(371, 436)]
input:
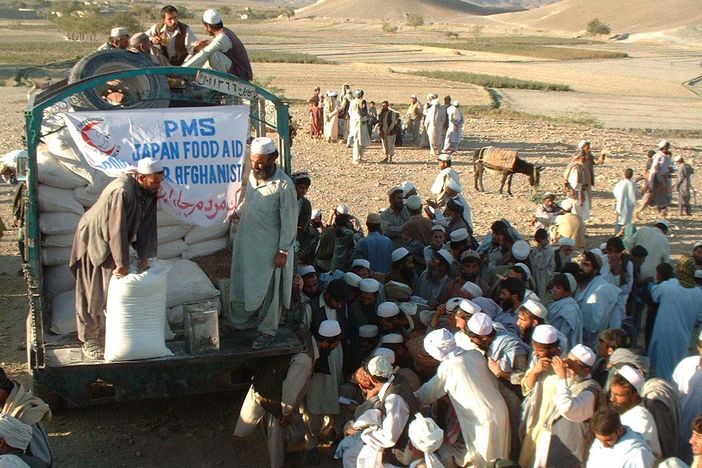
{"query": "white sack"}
[(171, 249), (205, 248), (201, 233), (60, 145), (85, 197), (171, 233), (164, 218), (188, 283), (58, 240), (58, 223), (136, 313), (55, 256), (63, 313), (57, 280), (53, 199), (52, 172)]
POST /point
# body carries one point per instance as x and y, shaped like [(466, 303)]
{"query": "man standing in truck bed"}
[(174, 39)]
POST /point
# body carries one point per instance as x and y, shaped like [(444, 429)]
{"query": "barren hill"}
[(623, 16), (396, 10)]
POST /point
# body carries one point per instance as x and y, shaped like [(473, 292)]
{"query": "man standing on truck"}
[(124, 215), (173, 38), (262, 256), (224, 52)]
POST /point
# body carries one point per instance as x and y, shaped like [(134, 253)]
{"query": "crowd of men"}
[(347, 117), (170, 42), (515, 348)]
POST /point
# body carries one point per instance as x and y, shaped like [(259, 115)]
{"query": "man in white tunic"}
[(262, 260), (359, 127), (688, 380), (617, 445), (564, 312), (473, 392), (654, 240), (435, 121), (596, 297), (454, 115), (625, 195), (446, 174), (625, 395)]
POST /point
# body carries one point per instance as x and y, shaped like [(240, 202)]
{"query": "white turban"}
[(16, 433), (380, 367), (440, 344), (427, 437)]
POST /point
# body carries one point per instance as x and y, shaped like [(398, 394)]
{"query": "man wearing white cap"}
[(278, 390), (224, 52), (395, 216), (577, 398), (331, 117), (454, 117), (564, 252), (617, 445), (434, 281), (539, 386), (172, 37), (446, 173), (438, 236), (653, 239), (376, 248), (564, 313), (546, 213), (625, 394), (14, 439), (397, 403), (414, 119), (119, 39), (434, 122), (473, 392), (123, 216), (426, 437), (687, 377), (402, 269), (262, 258), (625, 193), (361, 267), (578, 187)]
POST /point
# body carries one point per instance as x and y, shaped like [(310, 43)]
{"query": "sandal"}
[(93, 351)]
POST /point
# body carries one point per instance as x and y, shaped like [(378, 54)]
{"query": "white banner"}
[(202, 151)]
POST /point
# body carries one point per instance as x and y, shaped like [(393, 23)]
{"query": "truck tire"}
[(148, 91)]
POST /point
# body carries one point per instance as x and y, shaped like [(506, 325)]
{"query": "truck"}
[(60, 373)]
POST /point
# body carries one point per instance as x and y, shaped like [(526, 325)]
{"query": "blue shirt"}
[(377, 249)]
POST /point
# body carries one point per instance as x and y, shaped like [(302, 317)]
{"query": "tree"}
[(476, 30), (287, 11), (414, 20), (597, 27)]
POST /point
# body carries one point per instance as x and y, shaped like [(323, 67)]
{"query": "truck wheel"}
[(142, 92)]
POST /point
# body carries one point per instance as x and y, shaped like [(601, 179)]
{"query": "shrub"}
[(389, 28), (414, 20), (597, 27)]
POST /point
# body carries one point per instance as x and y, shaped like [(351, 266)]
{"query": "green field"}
[(41, 53), (274, 56), (491, 81)]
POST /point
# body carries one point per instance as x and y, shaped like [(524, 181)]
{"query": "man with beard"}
[(446, 174), (654, 240), (434, 280), (388, 126), (625, 395), (457, 245), (511, 294), (564, 312), (453, 216), (262, 261), (375, 247), (618, 269), (172, 37), (402, 269), (310, 283), (368, 299), (469, 272), (596, 297), (563, 253), (361, 267), (547, 213), (394, 218), (390, 320), (616, 444)]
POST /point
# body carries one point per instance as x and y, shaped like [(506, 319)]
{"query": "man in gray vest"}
[(224, 52)]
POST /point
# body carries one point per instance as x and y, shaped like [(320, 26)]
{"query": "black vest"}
[(180, 51), (241, 66)]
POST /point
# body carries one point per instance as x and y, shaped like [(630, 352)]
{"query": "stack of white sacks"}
[(67, 188)]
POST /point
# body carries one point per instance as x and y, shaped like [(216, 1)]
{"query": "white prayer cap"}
[(316, 214), (211, 16), (368, 331), (444, 157), (567, 204), (407, 187), (536, 308), (459, 235), (392, 338), (672, 462), (414, 96), (438, 227), (662, 222), (414, 203), (633, 376), (399, 254), (358, 93), (455, 103), (352, 279), (663, 143), (304, 270), (571, 282), (149, 166), (394, 189), (119, 32), (343, 209), (480, 324), (439, 344), (445, 254), (545, 334), (455, 186), (332, 94), (525, 269), (453, 303), (677, 158), (408, 308), (582, 144), (16, 433), (388, 309), (425, 435), (469, 307), (698, 273), (521, 249), (360, 262), (387, 353), (430, 96), (380, 367), (471, 288), (329, 329), (263, 145), (567, 241), (300, 175), (549, 195), (369, 285), (584, 354)]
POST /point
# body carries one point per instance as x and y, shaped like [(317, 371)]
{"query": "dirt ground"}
[(197, 431)]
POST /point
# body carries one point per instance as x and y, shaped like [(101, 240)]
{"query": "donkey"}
[(521, 167)]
